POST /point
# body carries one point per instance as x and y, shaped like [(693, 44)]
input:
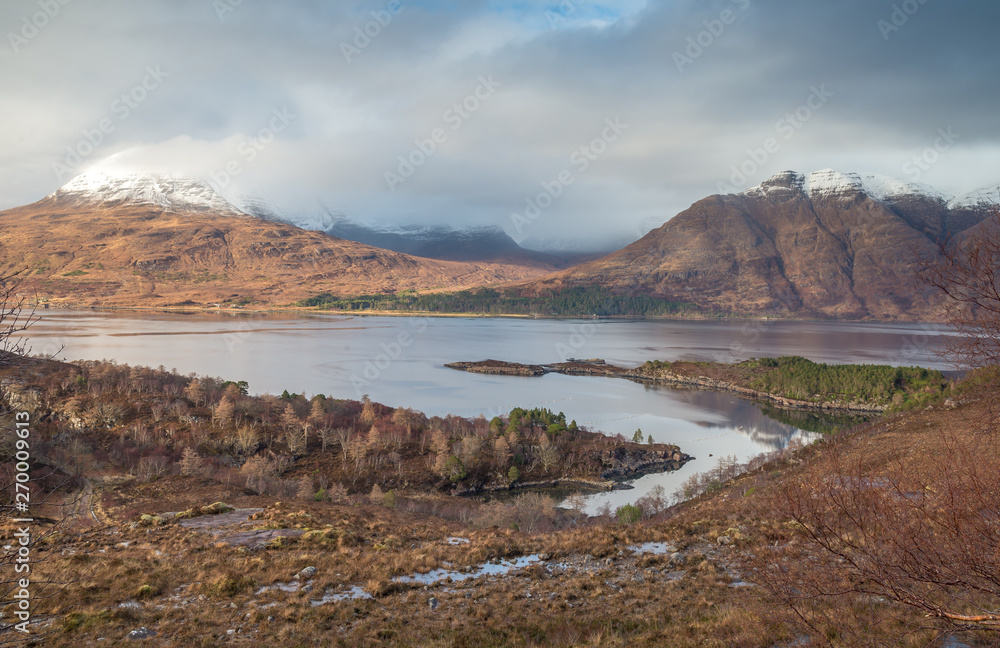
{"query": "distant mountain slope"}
[(429, 241), (122, 240), (826, 244), (448, 243)]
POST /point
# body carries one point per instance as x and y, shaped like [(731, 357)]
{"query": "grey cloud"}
[(354, 119)]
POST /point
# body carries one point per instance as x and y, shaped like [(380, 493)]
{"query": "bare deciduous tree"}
[(967, 271), (32, 541), (921, 529), (305, 489), (922, 536), (15, 318), (191, 464)]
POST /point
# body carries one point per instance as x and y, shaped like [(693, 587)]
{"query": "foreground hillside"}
[(878, 535), (109, 241), (820, 245)]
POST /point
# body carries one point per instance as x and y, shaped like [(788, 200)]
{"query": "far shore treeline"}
[(510, 301)]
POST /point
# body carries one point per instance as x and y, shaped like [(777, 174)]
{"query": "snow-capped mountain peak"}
[(830, 182), (167, 191), (987, 196)]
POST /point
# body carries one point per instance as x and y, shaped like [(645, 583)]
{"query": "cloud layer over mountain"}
[(472, 112)]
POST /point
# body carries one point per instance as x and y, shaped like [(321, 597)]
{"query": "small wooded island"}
[(790, 382)]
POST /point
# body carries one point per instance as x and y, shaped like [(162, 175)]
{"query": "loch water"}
[(400, 361)]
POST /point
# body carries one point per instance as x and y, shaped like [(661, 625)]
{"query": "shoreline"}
[(599, 368), (308, 310)]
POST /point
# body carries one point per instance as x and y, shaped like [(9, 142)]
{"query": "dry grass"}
[(100, 257), (192, 586)]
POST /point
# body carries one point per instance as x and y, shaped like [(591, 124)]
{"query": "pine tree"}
[(501, 451), (224, 411), (289, 418), (439, 441), (195, 391), (403, 417), (375, 439), (441, 447), (368, 415), (318, 411), (190, 463), (471, 446), (336, 492), (513, 436), (305, 491)]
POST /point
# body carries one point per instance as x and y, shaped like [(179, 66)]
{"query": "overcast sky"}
[(620, 113)]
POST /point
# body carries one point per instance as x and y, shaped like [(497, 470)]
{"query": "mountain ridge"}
[(163, 240), (796, 245), (172, 192)]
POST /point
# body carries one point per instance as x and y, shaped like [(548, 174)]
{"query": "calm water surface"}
[(399, 361)]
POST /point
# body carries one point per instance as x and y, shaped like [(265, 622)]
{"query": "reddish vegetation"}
[(143, 256), (153, 422), (827, 532), (779, 252)]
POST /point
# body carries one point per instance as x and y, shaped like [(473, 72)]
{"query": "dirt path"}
[(82, 506)]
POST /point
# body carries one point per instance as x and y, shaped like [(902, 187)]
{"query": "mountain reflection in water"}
[(349, 356)]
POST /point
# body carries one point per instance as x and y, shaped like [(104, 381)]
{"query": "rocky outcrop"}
[(626, 461), (498, 367), (604, 484), (20, 398)]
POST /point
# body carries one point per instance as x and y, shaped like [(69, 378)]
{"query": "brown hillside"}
[(142, 255), (778, 250)]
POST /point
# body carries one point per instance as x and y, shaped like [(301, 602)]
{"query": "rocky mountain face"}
[(826, 244), (144, 240)]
